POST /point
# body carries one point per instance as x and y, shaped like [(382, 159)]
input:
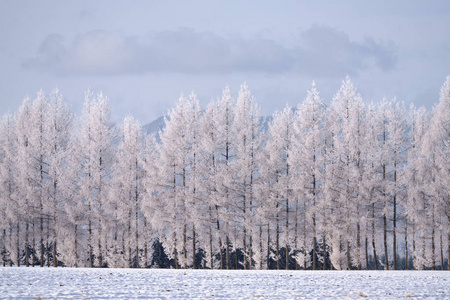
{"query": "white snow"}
[(57, 283)]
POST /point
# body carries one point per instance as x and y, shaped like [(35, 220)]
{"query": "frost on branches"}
[(351, 185)]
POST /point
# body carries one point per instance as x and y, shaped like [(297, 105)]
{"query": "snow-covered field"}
[(51, 283)]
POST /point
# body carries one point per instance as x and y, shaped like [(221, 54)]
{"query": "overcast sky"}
[(143, 54)]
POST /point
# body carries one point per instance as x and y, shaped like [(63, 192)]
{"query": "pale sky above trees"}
[(143, 54)]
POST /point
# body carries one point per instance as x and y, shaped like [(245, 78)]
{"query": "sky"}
[(144, 54)]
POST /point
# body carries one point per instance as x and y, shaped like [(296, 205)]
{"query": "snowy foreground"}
[(45, 283)]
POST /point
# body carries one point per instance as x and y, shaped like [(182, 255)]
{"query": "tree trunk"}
[(433, 243), (47, 246), (366, 246), (41, 209), (174, 221), (433, 250), (34, 244), (406, 244), (349, 262), (55, 259), (11, 244), (296, 231), (314, 248), (227, 238), (314, 218), (278, 242), (18, 244), (236, 252), (184, 246), (129, 239), (448, 240), (305, 254), (244, 226), (414, 245), (227, 248), (287, 224), (75, 248), (287, 256), (136, 233), (91, 263), (136, 196), (137, 241), (4, 248), (278, 229), (386, 258), (394, 222), (358, 245), (375, 258), (324, 253), (145, 244), (268, 246), (124, 253), (260, 248), (423, 252), (175, 250), (194, 265), (211, 262), (250, 250), (100, 251), (220, 237), (185, 225), (442, 250), (27, 263), (213, 160)]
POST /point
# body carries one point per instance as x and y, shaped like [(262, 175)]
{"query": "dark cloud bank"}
[(320, 51)]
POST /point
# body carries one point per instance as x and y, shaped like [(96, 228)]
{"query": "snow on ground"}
[(58, 283)]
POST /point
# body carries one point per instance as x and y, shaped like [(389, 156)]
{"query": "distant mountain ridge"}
[(158, 125), (155, 126)]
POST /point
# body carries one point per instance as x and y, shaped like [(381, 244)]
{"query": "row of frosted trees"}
[(348, 186)]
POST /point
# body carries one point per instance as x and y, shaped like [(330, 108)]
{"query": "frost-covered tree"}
[(381, 145), (347, 110), (38, 189), (10, 210), (59, 131), (437, 150), (209, 183), (24, 181), (128, 191), (151, 208), (396, 130), (278, 173), (355, 185), (94, 154), (414, 182), (225, 155), (307, 158), (244, 168), (178, 171), (195, 209), (373, 182), (41, 138)]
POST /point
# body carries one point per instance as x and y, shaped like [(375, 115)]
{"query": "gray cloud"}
[(320, 51), (329, 52), (97, 52)]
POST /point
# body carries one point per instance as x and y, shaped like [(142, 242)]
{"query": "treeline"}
[(345, 186)]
